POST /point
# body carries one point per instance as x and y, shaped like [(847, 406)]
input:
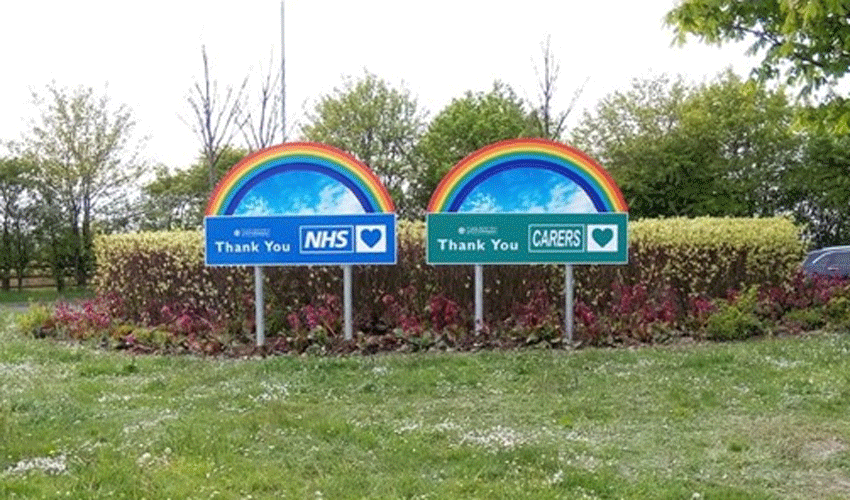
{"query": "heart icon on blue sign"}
[(370, 237)]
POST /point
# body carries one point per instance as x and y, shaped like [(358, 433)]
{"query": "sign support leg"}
[(346, 292), (259, 306), (479, 298), (568, 293)]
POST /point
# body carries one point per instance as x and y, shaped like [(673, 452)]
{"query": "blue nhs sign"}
[(300, 239)]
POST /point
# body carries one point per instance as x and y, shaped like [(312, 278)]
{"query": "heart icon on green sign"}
[(602, 236)]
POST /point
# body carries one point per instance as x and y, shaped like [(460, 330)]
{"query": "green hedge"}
[(711, 255), (704, 256), (151, 271)]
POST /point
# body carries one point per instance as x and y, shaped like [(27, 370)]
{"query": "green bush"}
[(735, 320), (837, 312), (154, 271), (711, 256), (672, 259), (806, 319), (36, 321)]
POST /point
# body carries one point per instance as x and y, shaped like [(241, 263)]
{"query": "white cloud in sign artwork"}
[(525, 190), (299, 193)]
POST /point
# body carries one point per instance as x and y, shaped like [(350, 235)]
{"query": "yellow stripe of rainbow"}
[(451, 188), (369, 186)]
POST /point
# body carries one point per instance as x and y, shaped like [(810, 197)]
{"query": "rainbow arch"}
[(459, 182), (295, 156)]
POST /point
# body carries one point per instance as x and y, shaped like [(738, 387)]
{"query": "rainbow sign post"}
[(300, 204), (527, 201)]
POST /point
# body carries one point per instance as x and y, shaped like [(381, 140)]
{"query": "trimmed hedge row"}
[(671, 262), (152, 272)]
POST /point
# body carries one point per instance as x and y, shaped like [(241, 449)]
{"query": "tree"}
[(675, 150), (465, 125), (818, 191), (215, 116), (806, 41), (749, 130), (551, 124), (378, 124), (261, 122), (629, 132), (176, 200), (85, 157), (16, 218)]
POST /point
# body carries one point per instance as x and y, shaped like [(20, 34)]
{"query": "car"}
[(830, 261)]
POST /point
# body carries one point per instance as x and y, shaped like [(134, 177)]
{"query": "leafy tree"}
[(818, 189), (716, 149), (753, 145), (465, 125), (85, 157), (16, 218), (805, 41), (631, 133), (378, 124), (176, 200)]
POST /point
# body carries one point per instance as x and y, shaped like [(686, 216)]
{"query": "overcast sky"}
[(147, 54)]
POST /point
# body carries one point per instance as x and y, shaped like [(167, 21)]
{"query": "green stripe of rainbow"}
[(534, 149), (300, 152)]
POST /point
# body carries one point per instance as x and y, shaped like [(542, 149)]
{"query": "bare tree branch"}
[(259, 124), (552, 124), (216, 117)]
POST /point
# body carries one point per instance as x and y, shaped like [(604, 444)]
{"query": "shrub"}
[(804, 319), (676, 268), (735, 319), (37, 321), (152, 271), (837, 312)]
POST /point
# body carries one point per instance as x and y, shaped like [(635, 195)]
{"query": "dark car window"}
[(823, 262), (828, 262), (840, 259)]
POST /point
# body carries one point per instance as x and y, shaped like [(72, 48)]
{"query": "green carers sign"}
[(527, 238)]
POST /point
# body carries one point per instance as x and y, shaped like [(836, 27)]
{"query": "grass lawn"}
[(756, 420), (43, 295)]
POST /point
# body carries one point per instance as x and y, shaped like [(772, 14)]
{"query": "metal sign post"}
[(259, 306), (568, 307), (346, 302), (479, 298)]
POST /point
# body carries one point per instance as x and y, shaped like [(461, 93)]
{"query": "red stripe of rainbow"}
[(277, 156), (534, 149)]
